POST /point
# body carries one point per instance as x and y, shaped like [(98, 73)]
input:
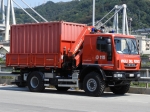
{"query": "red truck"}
[(65, 54)]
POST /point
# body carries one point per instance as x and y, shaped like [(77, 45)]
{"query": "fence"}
[(145, 76)]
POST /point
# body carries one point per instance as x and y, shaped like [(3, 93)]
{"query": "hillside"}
[(81, 11)]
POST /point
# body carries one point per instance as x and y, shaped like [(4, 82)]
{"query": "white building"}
[(143, 44)]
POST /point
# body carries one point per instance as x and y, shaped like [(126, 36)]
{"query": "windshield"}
[(125, 45)]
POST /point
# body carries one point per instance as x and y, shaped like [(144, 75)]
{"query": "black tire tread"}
[(120, 89), (41, 87), (100, 84)]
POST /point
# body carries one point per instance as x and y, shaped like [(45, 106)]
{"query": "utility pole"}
[(7, 26), (7, 21), (3, 11), (93, 19), (130, 20)]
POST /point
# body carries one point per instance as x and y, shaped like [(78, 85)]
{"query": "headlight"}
[(131, 75), (138, 75), (118, 75)]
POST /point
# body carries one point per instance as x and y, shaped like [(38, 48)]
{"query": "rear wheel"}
[(35, 82), (120, 89), (93, 85)]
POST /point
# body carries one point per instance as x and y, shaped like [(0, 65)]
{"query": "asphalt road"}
[(14, 99)]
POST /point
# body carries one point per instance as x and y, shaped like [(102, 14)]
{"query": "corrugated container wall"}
[(42, 37)]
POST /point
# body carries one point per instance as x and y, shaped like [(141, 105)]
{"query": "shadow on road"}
[(54, 91), (80, 93), (13, 88)]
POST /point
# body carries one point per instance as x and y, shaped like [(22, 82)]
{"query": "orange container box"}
[(41, 44)]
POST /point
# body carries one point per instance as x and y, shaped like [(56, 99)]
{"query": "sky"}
[(34, 3)]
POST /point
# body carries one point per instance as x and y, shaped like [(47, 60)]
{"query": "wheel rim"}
[(34, 82), (91, 85)]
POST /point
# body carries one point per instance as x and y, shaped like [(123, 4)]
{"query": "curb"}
[(138, 90)]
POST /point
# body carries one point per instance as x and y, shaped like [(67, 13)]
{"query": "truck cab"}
[(115, 57), (111, 52)]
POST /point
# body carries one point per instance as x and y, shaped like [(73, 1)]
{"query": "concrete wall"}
[(6, 81)]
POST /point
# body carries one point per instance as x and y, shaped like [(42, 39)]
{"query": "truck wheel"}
[(120, 89), (61, 88), (35, 82), (93, 85)]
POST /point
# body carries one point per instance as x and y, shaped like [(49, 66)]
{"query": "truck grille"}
[(130, 65)]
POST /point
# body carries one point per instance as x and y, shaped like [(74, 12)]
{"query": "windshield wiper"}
[(129, 50), (135, 48)]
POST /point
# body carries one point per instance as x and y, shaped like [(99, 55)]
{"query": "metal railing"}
[(145, 76)]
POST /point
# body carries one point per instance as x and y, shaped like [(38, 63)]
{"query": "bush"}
[(2, 60), (145, 64), (6, 77), (139, 84), (144, 55)]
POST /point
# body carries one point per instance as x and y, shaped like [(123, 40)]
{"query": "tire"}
[(35, 82), (120, 89), (93, 85), (62, 88)]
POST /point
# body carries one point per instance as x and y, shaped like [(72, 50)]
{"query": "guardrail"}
[(145, 76)]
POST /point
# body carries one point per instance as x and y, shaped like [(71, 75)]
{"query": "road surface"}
[(14, 99)]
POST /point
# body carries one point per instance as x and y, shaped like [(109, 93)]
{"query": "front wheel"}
[(120, 89), (93, 84), (35, 82)]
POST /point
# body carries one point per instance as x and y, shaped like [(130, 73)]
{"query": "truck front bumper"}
[(130, 76)]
